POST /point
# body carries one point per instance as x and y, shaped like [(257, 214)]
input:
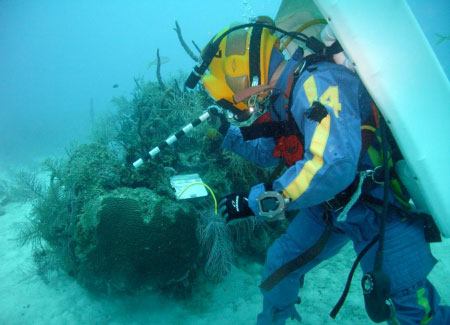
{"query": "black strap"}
[(274, 174), (269, 130), (254, 54), (341, 301), (333, 48), (300, 260), (238, 114), (315, 58), (431, 231), (377, 205), (315, 45), (291, 93)]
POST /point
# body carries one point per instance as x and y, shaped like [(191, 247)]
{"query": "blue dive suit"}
[(331, 160)]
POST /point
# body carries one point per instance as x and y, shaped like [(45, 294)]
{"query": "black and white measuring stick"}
[(185, 130)]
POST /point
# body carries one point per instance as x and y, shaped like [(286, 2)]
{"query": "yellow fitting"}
[(209, 189)]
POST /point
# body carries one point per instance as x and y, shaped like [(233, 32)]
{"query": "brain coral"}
[(132, 239)]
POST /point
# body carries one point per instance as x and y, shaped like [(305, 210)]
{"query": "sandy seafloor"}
[(26, 299)]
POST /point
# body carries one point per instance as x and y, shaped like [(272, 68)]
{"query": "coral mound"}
[(115, 228), (130, 239)]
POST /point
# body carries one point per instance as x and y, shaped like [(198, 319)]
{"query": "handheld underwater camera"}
[(272, 205)]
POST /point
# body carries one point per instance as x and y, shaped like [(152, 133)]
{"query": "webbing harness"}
[(285, 131), (340, 201)]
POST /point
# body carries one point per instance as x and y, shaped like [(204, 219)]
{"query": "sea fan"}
[(241, 230), (216, 242)]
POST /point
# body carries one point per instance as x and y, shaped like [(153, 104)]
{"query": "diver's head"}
[(241, 61)]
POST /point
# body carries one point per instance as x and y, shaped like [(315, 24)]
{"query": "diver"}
[(316, 118)]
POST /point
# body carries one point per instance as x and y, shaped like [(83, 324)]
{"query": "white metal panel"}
[(404, 77)]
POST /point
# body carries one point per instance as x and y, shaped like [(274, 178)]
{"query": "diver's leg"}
[(302, 233), (419, 304), (407, 262)]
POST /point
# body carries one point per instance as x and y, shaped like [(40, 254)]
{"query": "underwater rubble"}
[(117, 229)]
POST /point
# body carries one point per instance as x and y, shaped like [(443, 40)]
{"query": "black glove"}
[(234, 206), (224, 123)]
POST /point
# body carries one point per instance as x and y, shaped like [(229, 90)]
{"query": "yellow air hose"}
[(302, 28), (209, 189)]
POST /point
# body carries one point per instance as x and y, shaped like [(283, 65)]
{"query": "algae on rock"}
[(117, 229)]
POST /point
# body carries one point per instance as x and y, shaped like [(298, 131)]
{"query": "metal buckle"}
[(334, 204), (372, 173), (252, 101), (300, 67), (255, 81)]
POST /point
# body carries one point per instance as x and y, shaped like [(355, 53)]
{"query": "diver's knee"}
[(274, 258)]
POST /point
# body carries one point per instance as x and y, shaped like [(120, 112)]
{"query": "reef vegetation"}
[(118, 229)]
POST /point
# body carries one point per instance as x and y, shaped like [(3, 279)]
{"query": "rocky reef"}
[(117, 229)]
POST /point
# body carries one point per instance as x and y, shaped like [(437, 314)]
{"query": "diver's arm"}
[(259, 151), (332, 145)]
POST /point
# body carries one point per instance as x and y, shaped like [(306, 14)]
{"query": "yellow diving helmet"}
[(242, 61)]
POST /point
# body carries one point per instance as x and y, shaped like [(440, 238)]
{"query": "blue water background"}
[(58, 56)]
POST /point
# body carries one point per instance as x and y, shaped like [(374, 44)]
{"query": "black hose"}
[(385, 146), (376, 284), (341, 300), (211, 49)]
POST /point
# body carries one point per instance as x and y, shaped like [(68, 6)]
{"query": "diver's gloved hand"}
[(224, 123), (234, 206)]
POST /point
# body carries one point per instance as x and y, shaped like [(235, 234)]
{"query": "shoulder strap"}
[(270, 129)]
